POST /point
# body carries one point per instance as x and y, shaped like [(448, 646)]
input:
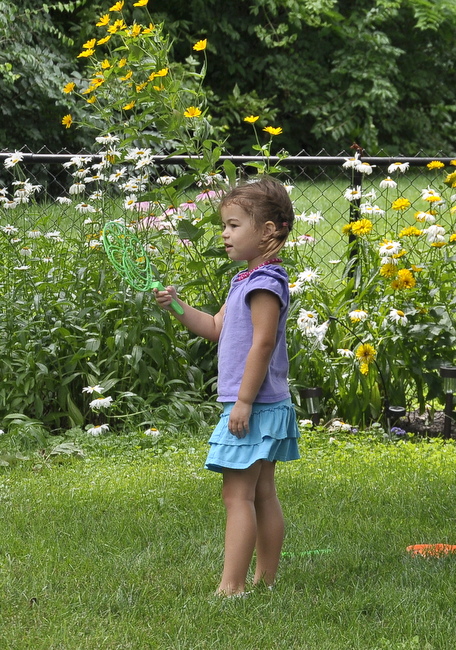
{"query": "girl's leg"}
[(270, 525), (238, 493)]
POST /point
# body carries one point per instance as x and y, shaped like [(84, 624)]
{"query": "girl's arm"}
[(198, 322), (265, 311)]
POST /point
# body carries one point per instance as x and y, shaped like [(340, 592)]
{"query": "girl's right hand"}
[(164, 298)]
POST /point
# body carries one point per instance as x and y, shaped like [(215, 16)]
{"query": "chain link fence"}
[(58, 195)]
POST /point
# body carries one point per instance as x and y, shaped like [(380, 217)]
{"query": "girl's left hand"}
[(238, 424)]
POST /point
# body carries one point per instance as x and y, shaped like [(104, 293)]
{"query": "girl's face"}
[(241, 239)]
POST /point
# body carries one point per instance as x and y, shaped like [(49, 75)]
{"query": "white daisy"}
[(54, 235), (345, 352), (389, 248), (78, 161), (295, 288), (309, 276), (136, 154), (84, 208), (312, 218), (351, 163), (365, 168), (9, 230), (100, 402), (387, 183), (130, 202), (77, 188), (107, 139), (98, 429), (353, 193), (12, 160), (397, 316), (425, 216), (358, 315), (93, 389), (435, 234), (152, 432), (398, 166), (165, 180), (307, 320), (116, 176), (64, 200), (9, 204)]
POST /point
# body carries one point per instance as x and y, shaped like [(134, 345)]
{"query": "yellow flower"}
[(450, 179), (388, 270), (158, 88), (405, 280), (273, 130), (438, 244), (140, 3), (361, 227), (452, 238), (92, 99), (70, 86), (417, 269), (364, 368), (127, 76), (162, 73), (435, 164), (251, 119), (118, 6), (117, 26), (103, 20), (85, 53), (135, 31), (346, 230), (401, 204), (105, 64), (192, 111), (433, 198), (411, 231), (122, 63), (201, 45), (104, 40), (149, 30), (141, 87), (129, 106), (365, 353), (89, 45), (67, 121), (453, 162)]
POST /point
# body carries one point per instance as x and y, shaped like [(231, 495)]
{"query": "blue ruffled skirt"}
[(273, 436)]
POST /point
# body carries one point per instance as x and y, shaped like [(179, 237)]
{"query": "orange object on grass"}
[(432, 550)]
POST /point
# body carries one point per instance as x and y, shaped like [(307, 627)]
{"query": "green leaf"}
[(187, 230), (74, 413)]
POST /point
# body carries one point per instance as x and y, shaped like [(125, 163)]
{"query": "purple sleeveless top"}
[(237, 333)]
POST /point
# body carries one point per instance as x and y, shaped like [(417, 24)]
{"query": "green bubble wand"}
[(131, 261)]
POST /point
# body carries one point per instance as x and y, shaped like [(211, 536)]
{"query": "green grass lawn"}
[(123, 549)]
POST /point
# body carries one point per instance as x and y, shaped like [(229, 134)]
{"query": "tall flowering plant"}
[(381, 335)]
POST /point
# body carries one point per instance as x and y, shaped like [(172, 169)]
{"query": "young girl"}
[(258, 424)]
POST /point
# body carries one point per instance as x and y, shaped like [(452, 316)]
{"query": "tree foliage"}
[(328, 71)]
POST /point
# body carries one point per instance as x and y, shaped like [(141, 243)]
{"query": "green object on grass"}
[(130, 259), (318, 551)]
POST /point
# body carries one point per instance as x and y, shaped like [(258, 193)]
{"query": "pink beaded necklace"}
[(245, 274)]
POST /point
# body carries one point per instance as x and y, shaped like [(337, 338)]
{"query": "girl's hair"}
[(264, 200)]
